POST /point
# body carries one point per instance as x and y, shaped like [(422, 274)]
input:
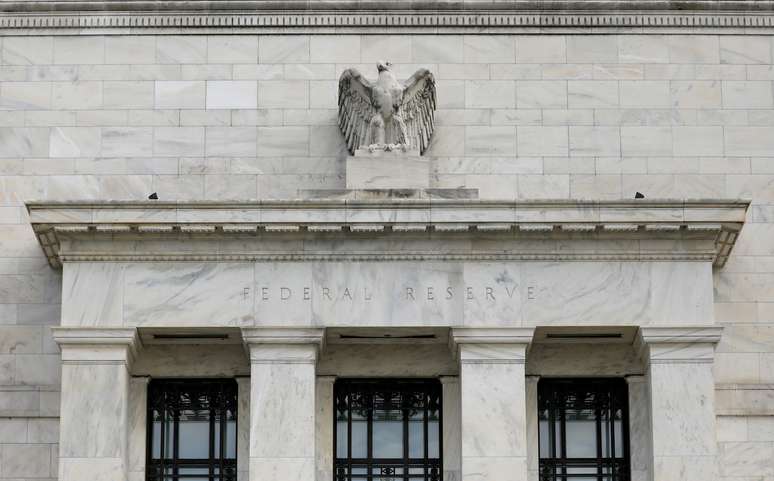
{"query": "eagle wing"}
[(418, 108), (355, 107)]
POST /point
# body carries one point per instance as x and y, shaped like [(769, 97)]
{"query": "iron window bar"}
[(215, 402), (603, 402), (417, 400)]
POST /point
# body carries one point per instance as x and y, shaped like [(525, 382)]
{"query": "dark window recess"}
[(583, 430), (192, 430), (387, 430)]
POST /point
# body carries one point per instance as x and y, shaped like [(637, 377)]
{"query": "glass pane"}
[(581, 433), (387, 433), (341, 439), (169, 436), (434, 434), (194, 430), (156, 438), (359, 434), (231, 436), (545, 440), (417, 435)]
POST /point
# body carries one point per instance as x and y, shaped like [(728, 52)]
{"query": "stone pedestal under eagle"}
[(386, 114)]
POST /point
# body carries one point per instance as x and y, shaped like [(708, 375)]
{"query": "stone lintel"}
[(268, 345), (683, 344), (97, 345)]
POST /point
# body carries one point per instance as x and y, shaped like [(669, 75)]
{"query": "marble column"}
[(243, 428), (493, 402), (680, 389), (138, 422), (282, 402), (533, 441), (94, 423), (452, 437)]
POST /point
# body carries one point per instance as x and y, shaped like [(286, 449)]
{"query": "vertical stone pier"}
[(493, 402), (681, 388), (282, 402), (93, 440)]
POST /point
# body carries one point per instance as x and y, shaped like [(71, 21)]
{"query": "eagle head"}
[(381, 65)]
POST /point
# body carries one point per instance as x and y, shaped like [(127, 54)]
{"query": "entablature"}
[(26, 17), (388, 229)]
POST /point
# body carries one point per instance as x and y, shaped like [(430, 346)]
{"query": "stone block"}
[(541, 94), (27, 50), (229, 94), (595, 141), (180, 94), (748, 141), (393, 48), (178, 141), (335, 49), (75, 50), (747, 95), (181, 49), (645, 93), (130, 49), (283, 94), (542, 141), (696, 141), (541, 49), (128, 95), (278, 49), (490, 94), (25, 95), (224, 49), (488, 49), (591, 49), (592, 94), (646, 141), (26, 460), (127, 141), (231, 141), (387, 170), (745, 49), (78, 95), (283, 142), (646, 49), (694, 49), (75, 142), (490, 141), (695, 94), (437, 48)]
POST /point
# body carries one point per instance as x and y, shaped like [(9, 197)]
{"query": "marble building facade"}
[(524, 257)]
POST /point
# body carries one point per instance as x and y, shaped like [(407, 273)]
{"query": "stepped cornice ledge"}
[(406, 16), (388, 229)]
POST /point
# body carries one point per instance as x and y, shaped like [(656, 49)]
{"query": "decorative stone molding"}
[(269, 345), (498, 345), (406, 16), (83, 345), (696, 230), (678, 345)]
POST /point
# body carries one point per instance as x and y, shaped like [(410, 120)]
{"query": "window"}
[(583, 430), (192, 428), (387, 430)]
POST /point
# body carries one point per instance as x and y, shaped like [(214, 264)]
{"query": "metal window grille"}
[(387, 430), (192, 430), (583, 430)]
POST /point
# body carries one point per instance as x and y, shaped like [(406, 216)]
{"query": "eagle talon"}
[(374, 147)]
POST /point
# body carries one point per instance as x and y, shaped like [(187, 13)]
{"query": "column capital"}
[(678, 344), (97, 345), (283, 344), (491, 345)]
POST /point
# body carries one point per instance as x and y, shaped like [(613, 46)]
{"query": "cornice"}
[(712, 224), (407, 16)]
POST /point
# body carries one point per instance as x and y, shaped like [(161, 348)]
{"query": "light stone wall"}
[(216, 117)]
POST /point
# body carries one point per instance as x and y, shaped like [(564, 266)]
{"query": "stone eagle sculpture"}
[(386, 114)]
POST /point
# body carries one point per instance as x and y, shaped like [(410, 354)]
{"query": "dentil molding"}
[(404, 16), (388, 230)]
